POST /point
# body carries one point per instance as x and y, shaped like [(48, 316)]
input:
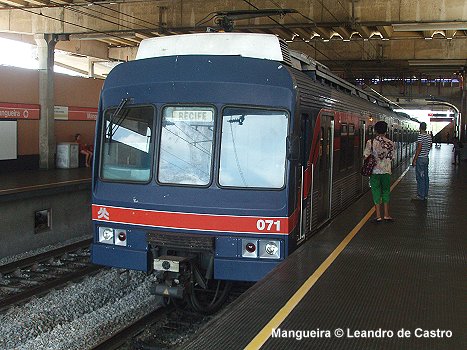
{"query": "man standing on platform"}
[(420, 162)]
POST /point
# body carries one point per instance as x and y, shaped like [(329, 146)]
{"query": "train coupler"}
[(172, 275)]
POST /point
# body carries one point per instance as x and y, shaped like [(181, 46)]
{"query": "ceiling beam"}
[(39, 2), (386, 31), (364, 31), (77, 70), (143, 36), (450, 33), (343, 32), (404, 27), (324, 33), (15, 3), (304, 33)]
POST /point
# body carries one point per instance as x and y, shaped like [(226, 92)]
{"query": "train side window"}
[(321, 149), (350, 146), (344, 138)]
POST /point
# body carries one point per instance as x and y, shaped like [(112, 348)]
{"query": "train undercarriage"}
[(183, 268)]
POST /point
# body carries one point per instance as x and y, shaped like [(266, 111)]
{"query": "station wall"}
[(22, 86)]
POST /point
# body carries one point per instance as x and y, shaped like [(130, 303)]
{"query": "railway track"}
[(37, 275), (165, 328)]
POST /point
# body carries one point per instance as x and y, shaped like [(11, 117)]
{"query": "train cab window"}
[(253, 148), (186, 145), (127, 150)]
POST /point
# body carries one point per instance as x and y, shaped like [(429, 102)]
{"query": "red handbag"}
[(369, 163)]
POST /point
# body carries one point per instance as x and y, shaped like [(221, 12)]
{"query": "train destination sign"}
[(197, 116)]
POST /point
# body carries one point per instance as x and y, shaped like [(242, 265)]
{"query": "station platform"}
[(362, 285), (43, 207), (13, 183)]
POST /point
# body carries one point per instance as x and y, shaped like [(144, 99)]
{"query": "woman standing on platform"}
[(380, 179), (83, 150)]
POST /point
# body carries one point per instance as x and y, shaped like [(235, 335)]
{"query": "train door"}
[(403, 144), (323, 171), (399, 147), (306, 135), (362, 133)]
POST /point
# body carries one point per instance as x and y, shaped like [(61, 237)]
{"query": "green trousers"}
[(380, 187)]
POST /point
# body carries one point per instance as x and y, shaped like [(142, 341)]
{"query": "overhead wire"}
[(356, 41), (322, 4), (192, 138), (124, 14), (183, 161), (203, 150), (92, 30), (291, 31), (75, 10), (66, 22)]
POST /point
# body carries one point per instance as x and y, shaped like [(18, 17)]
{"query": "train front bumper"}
[(120, 257)]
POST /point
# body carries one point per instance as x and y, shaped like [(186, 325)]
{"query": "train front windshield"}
[(127, 144), (252, 146)]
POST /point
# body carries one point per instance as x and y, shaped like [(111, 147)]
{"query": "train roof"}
[(262, 46), (252, 45)]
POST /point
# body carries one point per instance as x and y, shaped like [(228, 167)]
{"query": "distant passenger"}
[(84, 150), (380, 179), (437, 139), (457, 150), (420, 162)]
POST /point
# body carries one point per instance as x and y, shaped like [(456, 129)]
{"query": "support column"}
[(46, 46)]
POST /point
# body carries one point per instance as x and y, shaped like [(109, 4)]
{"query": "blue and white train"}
[(218, 154)]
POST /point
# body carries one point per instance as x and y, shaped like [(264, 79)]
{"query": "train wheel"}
[(180, 304), (210, 298)]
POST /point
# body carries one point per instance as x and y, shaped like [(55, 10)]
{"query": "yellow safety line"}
[(276, 321)]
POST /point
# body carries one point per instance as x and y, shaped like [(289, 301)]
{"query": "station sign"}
[(439, 119), (75, 113), (20, 111), (33, 112)]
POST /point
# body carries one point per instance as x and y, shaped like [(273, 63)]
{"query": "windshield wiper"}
[(110, 132)]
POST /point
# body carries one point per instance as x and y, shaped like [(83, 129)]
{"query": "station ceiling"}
[(352, 37)]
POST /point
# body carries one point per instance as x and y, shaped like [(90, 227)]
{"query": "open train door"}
[(322, 174)]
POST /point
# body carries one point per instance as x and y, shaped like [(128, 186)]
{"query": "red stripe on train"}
[(197, 222)]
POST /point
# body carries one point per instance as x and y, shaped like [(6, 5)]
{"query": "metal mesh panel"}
[(180, 241)]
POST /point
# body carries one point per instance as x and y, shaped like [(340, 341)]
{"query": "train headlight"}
[(106, 235), (269, 249)]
